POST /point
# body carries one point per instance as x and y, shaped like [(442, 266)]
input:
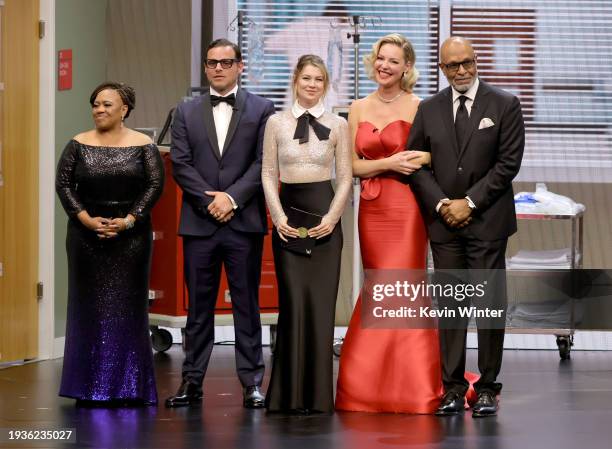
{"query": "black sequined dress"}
[(108, 354)]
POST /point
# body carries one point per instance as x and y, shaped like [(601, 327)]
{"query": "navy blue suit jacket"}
[(199, 166)]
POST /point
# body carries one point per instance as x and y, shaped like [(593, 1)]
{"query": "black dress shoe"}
[(486, 405), (253, 397), (187, 394), (452, 404)]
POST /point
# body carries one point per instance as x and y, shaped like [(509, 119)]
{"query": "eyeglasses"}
[(225, 63), (453, 67)]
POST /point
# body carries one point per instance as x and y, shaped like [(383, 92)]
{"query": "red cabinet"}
[(167, 282)]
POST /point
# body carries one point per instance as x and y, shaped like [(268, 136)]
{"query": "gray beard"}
[(464, 88)]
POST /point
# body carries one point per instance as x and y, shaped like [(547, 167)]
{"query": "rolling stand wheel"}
[(337, 348), (161, 339), (565, 343)]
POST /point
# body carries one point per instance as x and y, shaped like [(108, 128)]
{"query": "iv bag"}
[(334, 58), (255, 52)]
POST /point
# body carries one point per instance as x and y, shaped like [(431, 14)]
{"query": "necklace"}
[(384, 100)]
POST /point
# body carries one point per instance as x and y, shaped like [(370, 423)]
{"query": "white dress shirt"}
[(297, 110), (222, 114), (470, 94)]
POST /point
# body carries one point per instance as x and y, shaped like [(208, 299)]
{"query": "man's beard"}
[(463, 88)]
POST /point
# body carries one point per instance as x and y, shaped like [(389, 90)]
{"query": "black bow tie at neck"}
[(230, 99), (301, 130)]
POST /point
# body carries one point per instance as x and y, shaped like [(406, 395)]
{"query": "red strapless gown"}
[(389, 370)]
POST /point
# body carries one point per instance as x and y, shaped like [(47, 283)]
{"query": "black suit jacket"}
[(198, 165), (483, 168)]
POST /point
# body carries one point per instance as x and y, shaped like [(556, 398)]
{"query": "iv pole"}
[(356, 40), (239, 22), (356, 22)]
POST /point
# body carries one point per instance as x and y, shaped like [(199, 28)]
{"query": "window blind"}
[(554, 55), (276, 33)]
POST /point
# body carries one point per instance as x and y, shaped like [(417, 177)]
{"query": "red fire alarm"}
[(64, 70)]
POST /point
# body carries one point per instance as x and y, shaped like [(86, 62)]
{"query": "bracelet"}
[(129, 224)]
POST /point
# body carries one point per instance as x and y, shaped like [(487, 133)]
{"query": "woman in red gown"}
[(388, 370)]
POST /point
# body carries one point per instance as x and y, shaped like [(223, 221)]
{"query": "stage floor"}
[(546, 403)]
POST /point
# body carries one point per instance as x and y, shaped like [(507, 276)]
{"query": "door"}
[(19, 65)]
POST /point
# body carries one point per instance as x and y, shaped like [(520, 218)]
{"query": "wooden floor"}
[(546, 403)]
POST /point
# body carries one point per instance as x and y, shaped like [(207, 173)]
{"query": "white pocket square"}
[(486, 123)]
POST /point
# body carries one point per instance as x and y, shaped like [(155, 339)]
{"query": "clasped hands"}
[(285, 231), (221, 208), (105, 228), (456, 213)]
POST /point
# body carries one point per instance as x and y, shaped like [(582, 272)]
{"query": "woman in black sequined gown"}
[(108, 179)]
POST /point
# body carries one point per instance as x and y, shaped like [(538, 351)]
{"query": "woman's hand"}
[(112, 229), (325, 228), (106, 228), (404, 162), (421, 157), (99, 225), (284, 230), (118, 225)]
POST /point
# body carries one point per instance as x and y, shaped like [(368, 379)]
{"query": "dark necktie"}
[(301, 130), (462, 120), (215, 100)]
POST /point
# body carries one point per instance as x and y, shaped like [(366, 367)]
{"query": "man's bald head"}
[(458, 62), (453, 44)]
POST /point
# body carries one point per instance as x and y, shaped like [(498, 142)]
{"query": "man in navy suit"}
[(476, 137), (216, 159)]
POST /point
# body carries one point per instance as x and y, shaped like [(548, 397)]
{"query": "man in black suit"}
[(476, 136), (216, 159)]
